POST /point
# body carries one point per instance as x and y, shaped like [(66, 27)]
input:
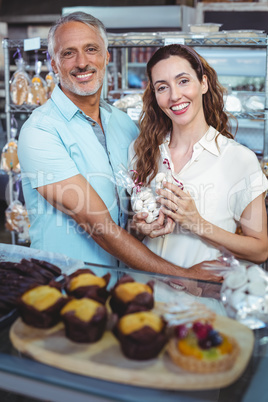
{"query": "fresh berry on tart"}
[(200, 348)]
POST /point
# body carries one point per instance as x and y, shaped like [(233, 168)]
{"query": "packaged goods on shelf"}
[(17, 220), (9, 157), (20, 83), (38, 92), (205, 27), (130, 100), (50, 77), (246, 34)]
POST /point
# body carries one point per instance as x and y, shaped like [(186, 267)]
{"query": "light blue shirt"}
[(58, 142)]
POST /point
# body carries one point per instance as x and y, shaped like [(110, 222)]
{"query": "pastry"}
[(38, 91), (84, 283), (144, 200), (84, 319), (244, 293), (17, 218), (9, 157), (185, 310), (19, 87), (51, 83), (129, 296), (141, 335), (17, 277), (200, 348), (40, 306)]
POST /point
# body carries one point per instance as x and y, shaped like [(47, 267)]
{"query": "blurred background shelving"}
[(136, 29)]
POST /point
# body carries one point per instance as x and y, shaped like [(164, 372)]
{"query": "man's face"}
[(80, 59)]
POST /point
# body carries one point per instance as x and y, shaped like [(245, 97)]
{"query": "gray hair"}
[(85, 18)]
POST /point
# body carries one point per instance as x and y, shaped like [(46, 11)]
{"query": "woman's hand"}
[(180, 206), (162, 226)]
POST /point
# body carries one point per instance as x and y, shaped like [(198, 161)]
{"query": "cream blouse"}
[(222, 179)]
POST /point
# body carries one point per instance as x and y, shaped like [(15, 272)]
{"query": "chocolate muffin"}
[(142, 335), (84, 283), (129, 296), (84, 319), (40, 306)]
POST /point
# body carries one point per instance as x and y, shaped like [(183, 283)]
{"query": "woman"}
[(216, 181)]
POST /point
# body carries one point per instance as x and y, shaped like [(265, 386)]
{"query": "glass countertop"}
[(23, 375)]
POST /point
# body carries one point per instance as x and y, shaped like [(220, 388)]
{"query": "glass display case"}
[(39, 377)]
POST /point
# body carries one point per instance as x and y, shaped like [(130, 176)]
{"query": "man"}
[(69, 151)]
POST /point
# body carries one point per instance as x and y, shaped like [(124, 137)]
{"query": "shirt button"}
[(93, 124)]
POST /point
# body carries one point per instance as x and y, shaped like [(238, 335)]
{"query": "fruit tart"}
[(200, 348), (84, 319), (141, 335), (129, 296), (40, 306), (84, 283)]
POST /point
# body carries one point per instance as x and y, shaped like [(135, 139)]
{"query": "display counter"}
[(23, 375)]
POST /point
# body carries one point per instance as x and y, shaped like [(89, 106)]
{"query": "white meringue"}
[(245, 295), (235, 279), (145, 194), (152, 206), (150, 218), (160, 177), (257, 288), (156, 212), (149, 200), (254, 302), (237, 298), (137, 205), (254, 272)]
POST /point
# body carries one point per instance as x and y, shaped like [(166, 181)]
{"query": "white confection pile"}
[(244, 294), (144, 199)]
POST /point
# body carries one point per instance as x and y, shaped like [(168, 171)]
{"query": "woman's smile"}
[(180, 108)]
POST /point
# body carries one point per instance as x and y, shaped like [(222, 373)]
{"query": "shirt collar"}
[(208, 141), (105, 105), (64, 104), (67, 107)]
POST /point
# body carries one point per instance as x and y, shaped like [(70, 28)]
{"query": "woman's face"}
[(178, 91)]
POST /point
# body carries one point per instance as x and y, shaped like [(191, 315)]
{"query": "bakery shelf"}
[(119, 45), (191, 40), (24, 108)]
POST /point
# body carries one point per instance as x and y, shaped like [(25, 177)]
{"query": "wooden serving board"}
[(104, 359)]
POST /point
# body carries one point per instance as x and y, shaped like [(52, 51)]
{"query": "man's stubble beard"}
[(78, 90)]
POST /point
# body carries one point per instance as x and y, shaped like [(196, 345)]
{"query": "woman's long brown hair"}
[(154, 123)]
